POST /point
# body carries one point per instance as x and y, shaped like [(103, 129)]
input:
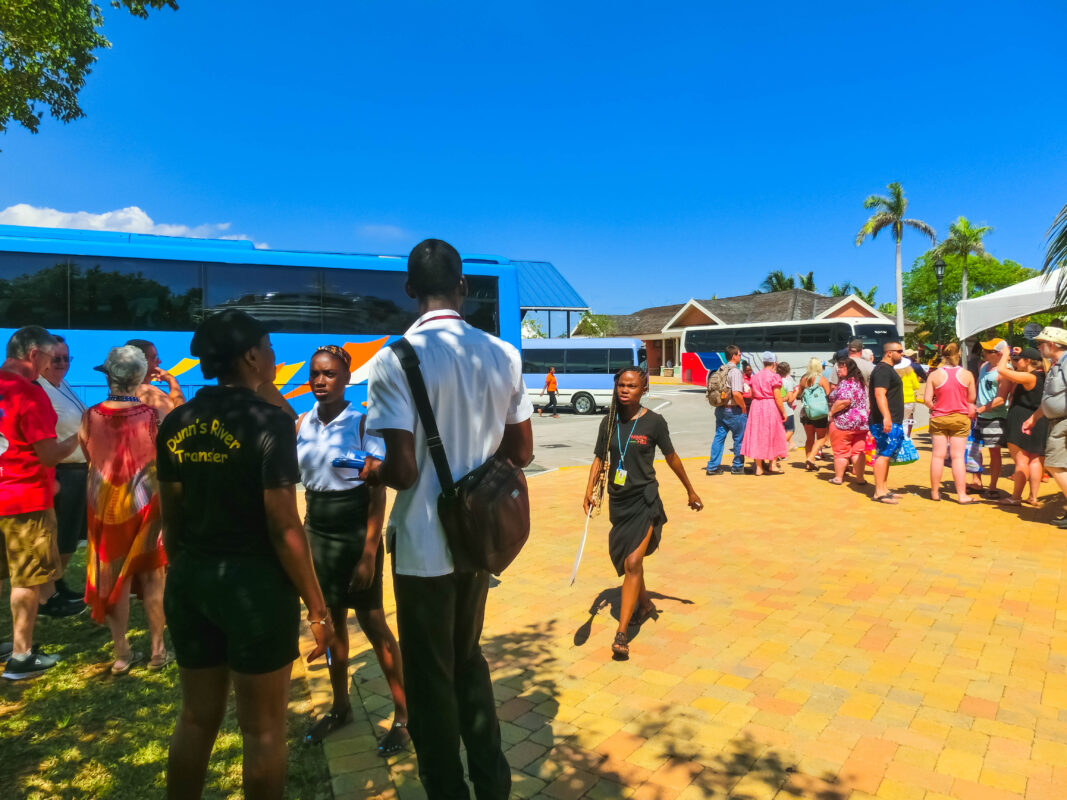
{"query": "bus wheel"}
[(583, 403)]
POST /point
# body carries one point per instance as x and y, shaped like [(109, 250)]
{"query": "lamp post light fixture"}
[(939, 271)]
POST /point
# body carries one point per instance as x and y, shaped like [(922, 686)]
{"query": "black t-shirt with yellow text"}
[(225, 447)]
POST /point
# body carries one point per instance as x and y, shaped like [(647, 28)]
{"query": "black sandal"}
[(620, 648), (327, 724), (395, 740)]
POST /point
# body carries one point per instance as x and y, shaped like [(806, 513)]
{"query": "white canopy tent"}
[(1029, 297)]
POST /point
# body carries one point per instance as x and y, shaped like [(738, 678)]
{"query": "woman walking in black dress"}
[(1027, 449), (622, 460)]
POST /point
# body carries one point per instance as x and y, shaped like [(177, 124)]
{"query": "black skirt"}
[(1034, 443), (336, 525), (631, 516)]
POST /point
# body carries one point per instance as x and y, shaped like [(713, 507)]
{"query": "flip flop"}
[(886, 499), (122, 666), (327, 724), (156, 663), (395, 740), (836, 482), (1009, 501)]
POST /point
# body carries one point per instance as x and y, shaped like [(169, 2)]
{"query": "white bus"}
[(703, 347), (585, 368)]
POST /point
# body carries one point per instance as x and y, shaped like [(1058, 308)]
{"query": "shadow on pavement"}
[(612, 598)]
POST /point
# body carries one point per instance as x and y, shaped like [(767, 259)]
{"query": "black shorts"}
[(239, 611), (72, 516), (818, 424), (336, 525)]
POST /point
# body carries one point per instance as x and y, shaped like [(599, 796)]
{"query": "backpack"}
[(815, 403), (719, 392)]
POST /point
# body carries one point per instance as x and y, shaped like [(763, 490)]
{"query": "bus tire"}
[(583, 403)]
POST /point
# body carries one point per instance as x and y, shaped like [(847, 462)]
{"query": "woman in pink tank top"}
[(950, 394)]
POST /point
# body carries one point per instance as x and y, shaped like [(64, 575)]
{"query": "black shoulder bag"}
[(486, 513)]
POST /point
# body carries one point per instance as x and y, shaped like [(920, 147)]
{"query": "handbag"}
[(486, 513), (906, 453)]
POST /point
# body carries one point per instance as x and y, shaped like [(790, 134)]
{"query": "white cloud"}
[(381, 231), (125, 220)]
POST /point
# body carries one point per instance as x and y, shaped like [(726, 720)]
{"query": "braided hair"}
[(612, 420)]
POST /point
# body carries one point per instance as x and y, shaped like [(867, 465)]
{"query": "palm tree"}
[(777, 281), (964, 240), (890, 214), (807, 281), (847, 288), (1056, 254)]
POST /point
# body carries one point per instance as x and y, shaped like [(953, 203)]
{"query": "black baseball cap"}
[(1031, 353), (223, 337)]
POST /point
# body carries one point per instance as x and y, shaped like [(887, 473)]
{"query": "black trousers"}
[(449, 690), (72, 517), (551, 407)]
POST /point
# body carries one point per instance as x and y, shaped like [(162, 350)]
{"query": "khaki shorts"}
[(1056, 444), (955, 425), (29, 555)]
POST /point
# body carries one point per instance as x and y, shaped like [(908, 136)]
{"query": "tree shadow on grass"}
[(611, 599), (79, 732)]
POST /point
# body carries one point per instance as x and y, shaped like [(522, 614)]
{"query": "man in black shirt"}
[(887, 417)]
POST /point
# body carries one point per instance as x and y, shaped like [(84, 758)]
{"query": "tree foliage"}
[(531, 329), (777, 281), (806, 281), (964, 240), (1056, 251), (595, 325), (847, 288), (47, 51), (920, 288)]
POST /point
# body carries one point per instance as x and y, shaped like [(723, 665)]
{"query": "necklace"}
[(123, 398)]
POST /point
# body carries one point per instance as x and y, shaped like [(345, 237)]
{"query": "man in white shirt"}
[(475, 385)]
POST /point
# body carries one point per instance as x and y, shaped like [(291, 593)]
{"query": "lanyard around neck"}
[(618, 436), (453, 315)]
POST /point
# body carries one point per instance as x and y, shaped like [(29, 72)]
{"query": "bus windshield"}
[(875, 336)]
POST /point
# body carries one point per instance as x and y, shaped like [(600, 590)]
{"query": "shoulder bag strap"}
[(410, 362)]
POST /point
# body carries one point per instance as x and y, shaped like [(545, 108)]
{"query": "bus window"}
[(537, 362), (134, 294), (33, 290), (289, 299), (480, 309), (368, 302), (588, 361), (619, 358), (874, 336)]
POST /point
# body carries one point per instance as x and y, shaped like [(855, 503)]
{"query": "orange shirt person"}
[(550, 387)]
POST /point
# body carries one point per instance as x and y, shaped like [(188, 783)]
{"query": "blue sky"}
[(653, 153)]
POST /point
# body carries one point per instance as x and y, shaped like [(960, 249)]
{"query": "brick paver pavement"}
[(810, 644)]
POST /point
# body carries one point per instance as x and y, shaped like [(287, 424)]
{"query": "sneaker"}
[(6, 649), (713, 471), (57, 607), (28, 666), (737, 470)]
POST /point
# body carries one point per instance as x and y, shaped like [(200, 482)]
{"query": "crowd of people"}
[(191, 504), (1014, 398)]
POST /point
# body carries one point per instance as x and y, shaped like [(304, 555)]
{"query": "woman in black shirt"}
[(622, 460), (239, 559)]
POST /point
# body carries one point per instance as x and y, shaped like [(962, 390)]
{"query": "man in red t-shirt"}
[(29, 556)]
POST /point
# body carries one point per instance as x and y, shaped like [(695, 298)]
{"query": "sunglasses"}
[(62, 359)]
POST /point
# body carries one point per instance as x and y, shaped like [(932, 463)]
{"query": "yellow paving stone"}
[(890, 789), (999, 779), (734, 681), (959, 764)]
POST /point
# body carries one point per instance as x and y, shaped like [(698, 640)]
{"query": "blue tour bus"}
[(99, 289), (585, 368)]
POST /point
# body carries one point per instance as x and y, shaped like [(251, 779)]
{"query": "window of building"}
[(33, 290), (134, 294)]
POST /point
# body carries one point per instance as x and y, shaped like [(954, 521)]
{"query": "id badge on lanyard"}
[(620, 471), (620, 477)]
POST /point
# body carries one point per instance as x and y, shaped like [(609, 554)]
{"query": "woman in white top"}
[(71, 472), (344, 524)]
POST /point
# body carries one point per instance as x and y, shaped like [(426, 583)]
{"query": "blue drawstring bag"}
[(974, 454), (907, 454)]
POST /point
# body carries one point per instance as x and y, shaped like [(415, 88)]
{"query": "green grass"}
[(79, 732)]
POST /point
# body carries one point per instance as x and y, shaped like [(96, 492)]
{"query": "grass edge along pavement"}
[(79, 732), (810, 644)]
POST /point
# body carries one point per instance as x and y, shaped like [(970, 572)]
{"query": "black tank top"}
[(1029, 399)]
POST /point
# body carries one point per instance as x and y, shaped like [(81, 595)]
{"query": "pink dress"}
[(765, 431)]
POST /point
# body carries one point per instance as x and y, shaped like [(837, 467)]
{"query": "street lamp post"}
[(939, 270)]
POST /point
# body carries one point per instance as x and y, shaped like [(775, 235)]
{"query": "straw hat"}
[(1057, 336)]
